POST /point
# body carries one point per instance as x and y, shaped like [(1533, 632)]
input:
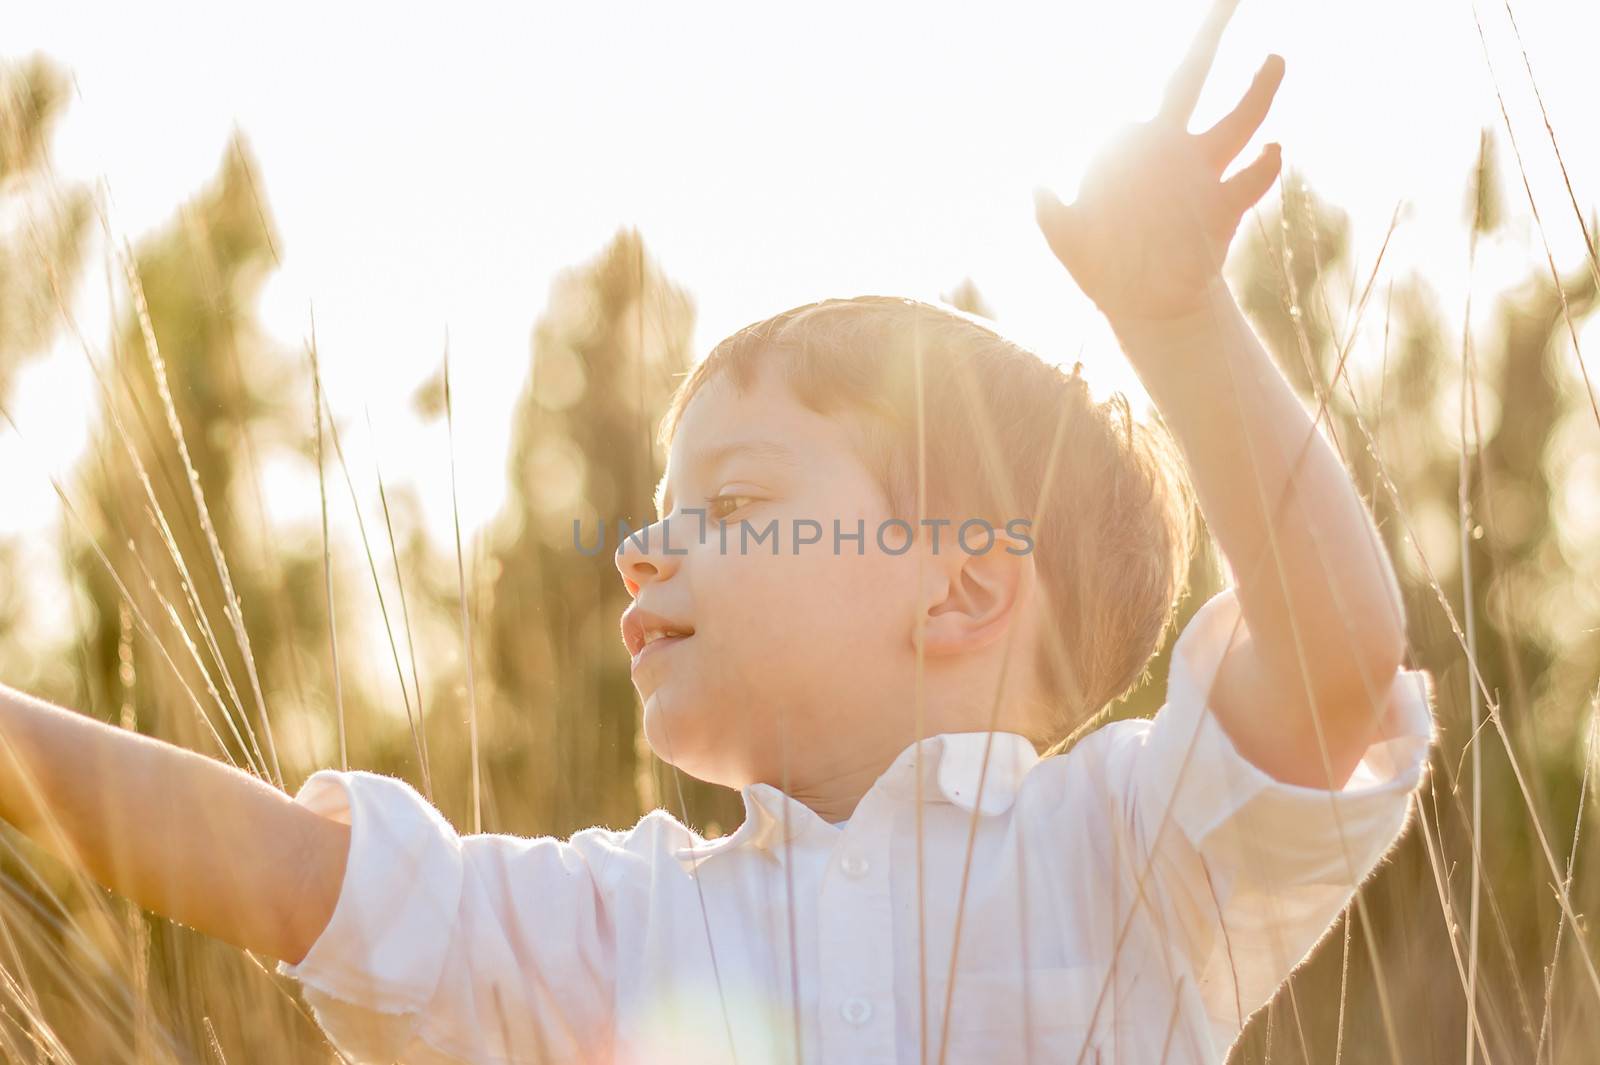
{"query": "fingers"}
[(1058, 223), (1227, 138), (1183, 90), (1240, 192)]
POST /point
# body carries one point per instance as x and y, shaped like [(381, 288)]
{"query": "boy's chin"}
[(685, 742)]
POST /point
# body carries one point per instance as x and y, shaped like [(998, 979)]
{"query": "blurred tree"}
[(1485, 207), (11, 601), (42, 236), (966, 297), (198, 280), (42, 226), (1280, 268), (607, 354)]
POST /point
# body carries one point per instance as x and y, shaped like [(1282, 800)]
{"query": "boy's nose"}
[(641, 557)]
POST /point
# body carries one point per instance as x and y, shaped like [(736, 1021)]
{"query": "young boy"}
[(897, 556)]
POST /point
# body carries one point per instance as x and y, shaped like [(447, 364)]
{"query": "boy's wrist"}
[(1152, 343)]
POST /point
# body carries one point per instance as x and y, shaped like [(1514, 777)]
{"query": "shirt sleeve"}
[(448, 948), (1252, 870)]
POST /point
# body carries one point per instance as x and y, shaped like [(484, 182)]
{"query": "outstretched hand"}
[(1148, 233)]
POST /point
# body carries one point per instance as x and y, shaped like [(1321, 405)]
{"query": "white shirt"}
[(654, 945)]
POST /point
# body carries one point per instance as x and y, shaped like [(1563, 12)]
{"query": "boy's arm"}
[(1323, 620), (195, 840)]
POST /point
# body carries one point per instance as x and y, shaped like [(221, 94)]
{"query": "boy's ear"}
[(970, 598)]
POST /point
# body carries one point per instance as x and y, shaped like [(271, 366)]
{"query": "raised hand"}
[(1153, 220)]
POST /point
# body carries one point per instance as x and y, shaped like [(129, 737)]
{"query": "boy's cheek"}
[(789, 607)]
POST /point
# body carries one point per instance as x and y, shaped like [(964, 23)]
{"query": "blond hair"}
[(1116, 528)]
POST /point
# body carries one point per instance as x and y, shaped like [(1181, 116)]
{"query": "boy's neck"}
[(834, 798)]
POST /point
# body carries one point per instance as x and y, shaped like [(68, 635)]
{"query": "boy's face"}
[(793, 656)]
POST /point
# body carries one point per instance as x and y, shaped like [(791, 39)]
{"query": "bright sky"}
[(432, 167)]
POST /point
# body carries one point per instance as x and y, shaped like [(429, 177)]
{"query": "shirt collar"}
[(952, 766)]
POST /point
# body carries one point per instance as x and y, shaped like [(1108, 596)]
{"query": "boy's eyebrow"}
[(715, 456)]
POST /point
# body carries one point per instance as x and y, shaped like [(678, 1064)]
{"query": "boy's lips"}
[(639, 626), (655, 647)]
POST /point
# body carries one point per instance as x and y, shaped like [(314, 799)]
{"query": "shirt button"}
[(854, 866), (856, 1010)]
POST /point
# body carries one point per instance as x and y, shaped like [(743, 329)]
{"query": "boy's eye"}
[(716, 503)]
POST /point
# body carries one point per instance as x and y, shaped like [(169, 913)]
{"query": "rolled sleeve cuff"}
[(384, 947), (1233, 811)]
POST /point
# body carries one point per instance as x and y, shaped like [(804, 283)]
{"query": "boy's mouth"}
[(655, 647), (642, 629)]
